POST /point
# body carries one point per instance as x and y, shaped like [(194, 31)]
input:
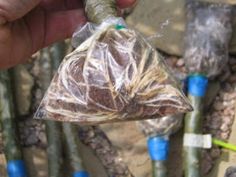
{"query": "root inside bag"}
[(114, 75)]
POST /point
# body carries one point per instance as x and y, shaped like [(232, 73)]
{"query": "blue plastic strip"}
[(81, 174), (197, 85), (158, 148), (16, 168)]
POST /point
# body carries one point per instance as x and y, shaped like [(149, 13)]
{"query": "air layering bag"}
[(114, 75)]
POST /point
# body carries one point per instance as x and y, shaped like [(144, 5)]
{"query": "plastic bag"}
[(89, 29), (115, 75), (208, 32), (161, 127)]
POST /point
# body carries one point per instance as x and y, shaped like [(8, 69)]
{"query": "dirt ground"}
[(131, 145)]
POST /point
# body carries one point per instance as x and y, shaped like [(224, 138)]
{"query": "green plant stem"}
[(53, 129), (11, 142), (159, 169), (72, 147), (193, 124), (54, 149)]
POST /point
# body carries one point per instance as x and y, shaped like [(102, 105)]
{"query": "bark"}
[(97, 11), (96, 139)]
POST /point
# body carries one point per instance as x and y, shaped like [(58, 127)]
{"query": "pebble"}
[(224, 127), (31, 139), (217, 135), (171, 62), (227, 96), (206, 163), (225, 74), (230, 172), (233, 68), (232, 96), (224, 135), (218, 106), (232, 78), (232, 61), (215, 124), (228, 112), (228, 120), (30, 132), (42, 137), (180, 63), (215, 152), (227, 87)]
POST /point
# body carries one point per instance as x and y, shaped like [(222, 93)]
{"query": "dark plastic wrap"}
[(115, 75), (161, 127), (208, 33)]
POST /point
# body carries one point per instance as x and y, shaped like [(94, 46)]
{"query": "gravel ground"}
[(32, 133), (219, 119)]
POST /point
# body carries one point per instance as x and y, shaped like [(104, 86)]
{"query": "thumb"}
[(13, 9)]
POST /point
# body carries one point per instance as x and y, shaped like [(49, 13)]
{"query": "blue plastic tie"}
[(16, 168), (81, 174), (158, 148), (197, 85)]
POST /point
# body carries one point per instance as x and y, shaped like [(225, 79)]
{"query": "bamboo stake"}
[(72, 150), (158, 148), (159, 169), (53, 129), (193, 124), (12, 149)]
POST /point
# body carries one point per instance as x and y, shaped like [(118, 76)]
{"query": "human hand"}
[(29, 25)]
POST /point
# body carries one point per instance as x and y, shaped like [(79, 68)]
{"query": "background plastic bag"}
[(208, 32), (115, 75), (161, 127)]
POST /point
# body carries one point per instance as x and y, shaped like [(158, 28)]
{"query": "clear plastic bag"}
[(161, 127), (89, 29), (207, 36), (114, 75)]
